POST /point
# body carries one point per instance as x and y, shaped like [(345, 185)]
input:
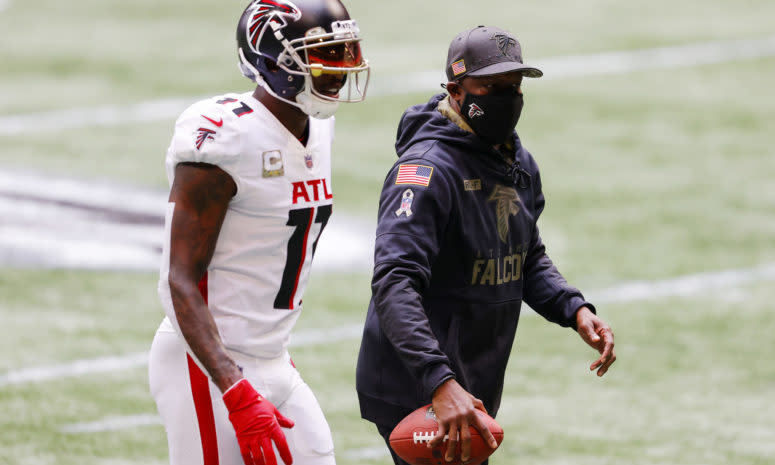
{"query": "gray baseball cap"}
[(486, 51)]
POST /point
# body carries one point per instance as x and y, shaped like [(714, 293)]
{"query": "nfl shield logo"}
[(308, 160), (406, 203)]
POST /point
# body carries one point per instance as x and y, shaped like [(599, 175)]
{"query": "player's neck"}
[(294, 120)]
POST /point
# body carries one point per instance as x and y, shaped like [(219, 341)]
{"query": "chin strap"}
[(314, 106)]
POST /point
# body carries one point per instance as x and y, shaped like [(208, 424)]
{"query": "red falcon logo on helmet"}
[(265, 11), (202, 136)]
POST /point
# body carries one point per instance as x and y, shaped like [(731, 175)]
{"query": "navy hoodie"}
[(453, 261)]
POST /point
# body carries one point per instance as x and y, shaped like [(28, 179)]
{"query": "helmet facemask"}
[(332, 65)]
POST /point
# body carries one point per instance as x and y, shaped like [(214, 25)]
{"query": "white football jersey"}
[(258, 273)]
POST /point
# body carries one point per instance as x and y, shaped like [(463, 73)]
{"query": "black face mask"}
[(493, 116)]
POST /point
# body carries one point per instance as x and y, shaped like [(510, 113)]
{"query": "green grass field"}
[(649, 176)]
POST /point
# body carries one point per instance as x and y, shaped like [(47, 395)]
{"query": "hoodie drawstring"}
[(520, 177)]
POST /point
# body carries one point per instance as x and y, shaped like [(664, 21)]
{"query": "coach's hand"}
[(455, 412), (257, 423), (597, 334)]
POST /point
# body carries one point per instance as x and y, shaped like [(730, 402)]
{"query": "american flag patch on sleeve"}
[(414, 174)]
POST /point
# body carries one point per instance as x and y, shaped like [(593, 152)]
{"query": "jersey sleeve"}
[(206, 132)]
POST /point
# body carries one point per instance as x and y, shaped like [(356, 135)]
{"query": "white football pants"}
[(198, 428)]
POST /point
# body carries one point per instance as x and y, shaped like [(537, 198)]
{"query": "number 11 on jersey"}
[(302, 220)]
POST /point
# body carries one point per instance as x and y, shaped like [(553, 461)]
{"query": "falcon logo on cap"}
[(504, 42), (474, 110)]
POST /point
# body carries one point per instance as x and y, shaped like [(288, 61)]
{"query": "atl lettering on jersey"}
[(311, 191)]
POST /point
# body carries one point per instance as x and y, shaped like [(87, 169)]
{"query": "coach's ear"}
[(454, 89), (456, 94)]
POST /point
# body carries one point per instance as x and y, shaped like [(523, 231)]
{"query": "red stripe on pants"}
[(200, 388)]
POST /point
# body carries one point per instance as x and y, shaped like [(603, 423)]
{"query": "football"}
[(410, 438)]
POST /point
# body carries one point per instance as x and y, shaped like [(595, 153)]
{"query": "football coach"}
[(458, 250)]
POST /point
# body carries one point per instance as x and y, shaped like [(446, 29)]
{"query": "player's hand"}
[(595, 332), (455, 412), (257, 423)]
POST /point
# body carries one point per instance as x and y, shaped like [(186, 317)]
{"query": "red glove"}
[(257, 423)]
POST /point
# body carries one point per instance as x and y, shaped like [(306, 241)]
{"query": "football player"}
[(251, 192)]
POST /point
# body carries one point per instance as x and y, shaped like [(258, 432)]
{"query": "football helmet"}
[(304, 52)]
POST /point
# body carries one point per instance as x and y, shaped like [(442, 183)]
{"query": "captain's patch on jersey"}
[(406, 203), (273, 164), (414, 174)]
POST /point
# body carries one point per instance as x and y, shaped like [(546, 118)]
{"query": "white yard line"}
[(74, 369), (693, 284), (676, 56), (554, 68), (113, 424), (140, 359), (97, 195), (109, 115), (708, 282)]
